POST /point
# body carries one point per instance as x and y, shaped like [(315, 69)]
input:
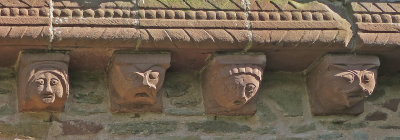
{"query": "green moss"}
[(181, 138), (183, 112), (331, 136), (4, 91), (303, 128), (5, 110), (79, 110), (37, 130), (87, 87), (199, 4), (266, 130), (264, 113), (280, 2), (392, 138), (293, 138), (217, 126), (175, 3), (178, 84), (344, 126), (146, 128), (287, 90), (224, 4), (90, 98), (6, 73)]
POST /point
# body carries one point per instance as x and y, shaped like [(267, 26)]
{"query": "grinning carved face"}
[(239, 86), (340, 82), (346, 85), (47, 85), (137, 84)]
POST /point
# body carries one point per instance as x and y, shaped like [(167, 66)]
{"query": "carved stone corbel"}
[(338, 84), (230, 83), (42, 81), (135, 79)]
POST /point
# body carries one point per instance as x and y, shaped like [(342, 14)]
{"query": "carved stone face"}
[(47, 85), (346, 85), (239, 87), (340, 82), (137, 84), (230, 83), (43, 82)]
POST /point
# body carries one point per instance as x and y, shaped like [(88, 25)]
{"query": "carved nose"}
[(48, 90), (239, 101)]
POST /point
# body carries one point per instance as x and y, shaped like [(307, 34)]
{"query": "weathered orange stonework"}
[(43, 81), (134, 81), (230, 83), (292, 34), (340, 83)]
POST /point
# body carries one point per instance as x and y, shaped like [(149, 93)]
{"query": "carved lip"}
[(142, 95), (49, 95), (355, 95)]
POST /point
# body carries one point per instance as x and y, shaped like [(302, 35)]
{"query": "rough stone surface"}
[(303, 128), (376, 116), (392, 104), (291, 33), (79, 127), (230, 83), (331, 74), (135, 80), (43, 81), (288, 98), (217, 126), (145, 128)]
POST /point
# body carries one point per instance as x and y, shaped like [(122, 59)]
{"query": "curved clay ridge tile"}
[(24, 22), (232, 24), (378, 22)]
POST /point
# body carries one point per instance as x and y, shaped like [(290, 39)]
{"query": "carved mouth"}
[(355, 95), (141, 94), (46, 96), (238, 102)]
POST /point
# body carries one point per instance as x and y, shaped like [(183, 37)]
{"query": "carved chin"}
[(48, 99), (144, 97)]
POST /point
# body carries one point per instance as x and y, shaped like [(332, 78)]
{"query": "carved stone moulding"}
[(135, 79), (338, 84), (42, 81), (230, 83)]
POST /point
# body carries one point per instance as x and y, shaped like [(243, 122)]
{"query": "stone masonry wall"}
[(283, 113), (292, 34)]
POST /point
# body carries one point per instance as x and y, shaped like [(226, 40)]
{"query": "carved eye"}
[(250, 88), (39, 82), (153, 75), (53, 82), (367, 77), (133, 76), (349, 77)]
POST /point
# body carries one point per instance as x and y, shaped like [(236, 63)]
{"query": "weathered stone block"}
[(339, 84), (42, 81), (79, 127), (217, 126), (146, 128), (303, 128), (376, 116), (135, 79), (230, 83)]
